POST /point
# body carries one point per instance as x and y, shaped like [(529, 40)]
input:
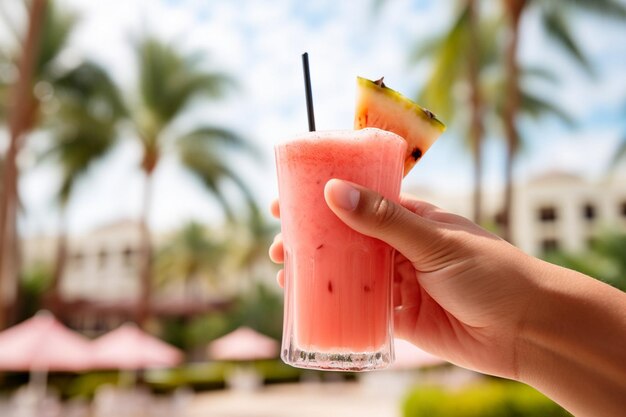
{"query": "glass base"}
[(351, 362)]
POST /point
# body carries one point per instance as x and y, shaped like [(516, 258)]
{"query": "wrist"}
[(567, 345)]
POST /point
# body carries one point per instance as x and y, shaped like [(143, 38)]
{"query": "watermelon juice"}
[(338, 311)]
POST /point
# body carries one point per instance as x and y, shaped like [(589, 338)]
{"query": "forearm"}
[(572, 346)]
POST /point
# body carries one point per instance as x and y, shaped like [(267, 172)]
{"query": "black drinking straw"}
[(307, 89)]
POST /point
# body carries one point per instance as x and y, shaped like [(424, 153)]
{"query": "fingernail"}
[(342, 194)]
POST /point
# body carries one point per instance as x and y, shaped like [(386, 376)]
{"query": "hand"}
[(473, 299), (459, 291)]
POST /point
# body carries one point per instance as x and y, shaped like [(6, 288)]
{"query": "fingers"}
[(280, 278), (419, 207), (275, 209), (276, 250), (369, 213), (432, 212)]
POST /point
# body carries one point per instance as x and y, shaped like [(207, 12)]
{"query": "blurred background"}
[(136, 168)]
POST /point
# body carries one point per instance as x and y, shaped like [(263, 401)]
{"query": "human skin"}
[(473, 299)]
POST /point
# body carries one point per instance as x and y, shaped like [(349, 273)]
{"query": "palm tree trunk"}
[(8, 279), (22, 109), (60, 263), (476, 127), (188, 290), (514, 9), (143, 309)]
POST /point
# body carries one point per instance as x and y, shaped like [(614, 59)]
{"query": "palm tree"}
[(22, 115), (190, 255), (470, 62), (460, 58), (49, 87), (83, 131), (554, 17), (169, 82)]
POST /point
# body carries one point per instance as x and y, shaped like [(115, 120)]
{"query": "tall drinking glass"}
[(338, 307)]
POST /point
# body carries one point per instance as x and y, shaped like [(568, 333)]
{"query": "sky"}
[(260, 44)]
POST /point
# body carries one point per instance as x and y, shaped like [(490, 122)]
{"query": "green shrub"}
[(486, 399)]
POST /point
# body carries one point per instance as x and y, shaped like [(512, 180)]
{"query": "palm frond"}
[(425, 49), (243, 188), (84, 128), (169, 82), (57, 27), (211, 183), (209, 167), (91, 85), (215, 135), (540, 73), (532, 104), (558, 28), (80, 138), (65, 189), (186, 87), (620, 154), (448, 65), (603, 8), (155, 61), (536, 107)]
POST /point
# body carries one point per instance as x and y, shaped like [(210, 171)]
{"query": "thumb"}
[(373, 215)]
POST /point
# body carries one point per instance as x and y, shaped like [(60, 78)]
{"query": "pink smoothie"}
[(338, 282)]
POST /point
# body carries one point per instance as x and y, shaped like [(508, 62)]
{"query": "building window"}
[(549, 245), (128, 255), (102, 258), (589, 212), (547, 214)]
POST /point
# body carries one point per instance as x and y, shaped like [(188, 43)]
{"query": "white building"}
[(104, 265), (560, 211), (554, 211)]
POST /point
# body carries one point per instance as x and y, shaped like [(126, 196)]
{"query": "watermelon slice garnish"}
[(379, 106)]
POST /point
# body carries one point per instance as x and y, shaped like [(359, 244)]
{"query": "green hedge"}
[(200, 376), (485, 399)]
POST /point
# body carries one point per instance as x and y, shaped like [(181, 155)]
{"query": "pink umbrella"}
[(243, 344), (129, 348), (42, 343), (409, 356)]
